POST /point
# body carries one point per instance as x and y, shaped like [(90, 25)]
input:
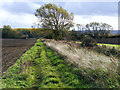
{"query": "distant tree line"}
[(95, 29), (23, 33)]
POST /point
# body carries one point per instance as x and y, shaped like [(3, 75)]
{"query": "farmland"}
[(107, 45), (57, 51), (12, 49), (59, 65), (110, 45)]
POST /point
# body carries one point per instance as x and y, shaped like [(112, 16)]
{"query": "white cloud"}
[(111, 20), (26, 20), (34, 5), (17, 20)]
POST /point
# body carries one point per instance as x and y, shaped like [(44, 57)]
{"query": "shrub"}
[(7, 32), (89, 42), (113, 51)]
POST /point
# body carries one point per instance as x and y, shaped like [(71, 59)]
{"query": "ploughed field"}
[(12, 49)]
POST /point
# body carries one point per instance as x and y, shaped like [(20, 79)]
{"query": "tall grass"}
[(95, 67)]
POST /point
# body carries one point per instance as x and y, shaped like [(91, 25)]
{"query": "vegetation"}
[(89, 42), (41, 67), (7, 32), (107, 49), (47, 70), (95, 29), (106, 45), (110, 45), (34, 32), (55, 23), (52, 17)]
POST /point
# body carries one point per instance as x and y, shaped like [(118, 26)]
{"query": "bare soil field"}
[(12, 49)]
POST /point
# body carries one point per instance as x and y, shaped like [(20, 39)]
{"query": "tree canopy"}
[(52, 17), (95, 29)]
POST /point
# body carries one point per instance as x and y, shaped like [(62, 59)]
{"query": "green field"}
[(108, 45), (41, 67)]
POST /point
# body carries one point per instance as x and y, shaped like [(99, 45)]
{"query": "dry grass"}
[(84, 58)]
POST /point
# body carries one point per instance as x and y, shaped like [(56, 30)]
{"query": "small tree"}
[(52, 17)]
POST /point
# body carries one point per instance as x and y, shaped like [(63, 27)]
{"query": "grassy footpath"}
[(41, 67)]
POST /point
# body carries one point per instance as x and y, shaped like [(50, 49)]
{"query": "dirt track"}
[(12, 49)]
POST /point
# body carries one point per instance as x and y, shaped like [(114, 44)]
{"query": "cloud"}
[(16, 21), (21, 14), (20, 7), (93, 8), (86, 19), (17, 14)]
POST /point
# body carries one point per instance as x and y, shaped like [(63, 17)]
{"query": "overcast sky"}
[(21, 14)]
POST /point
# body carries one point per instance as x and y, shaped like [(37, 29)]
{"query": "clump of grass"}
[(108, 51)]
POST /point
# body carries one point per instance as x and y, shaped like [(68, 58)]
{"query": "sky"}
[(21, 14)]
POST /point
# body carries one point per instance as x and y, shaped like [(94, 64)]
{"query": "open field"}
[(12, 49), (59, 65), (107, 45), (110, 45)]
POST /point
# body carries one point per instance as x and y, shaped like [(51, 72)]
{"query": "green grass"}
[(110, 45), (107, 45), (48, 69)]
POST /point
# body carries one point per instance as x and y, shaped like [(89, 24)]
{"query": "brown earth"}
[(12, 49)]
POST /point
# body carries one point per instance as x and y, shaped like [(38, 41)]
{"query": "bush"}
[(89, 42), (7, 32)]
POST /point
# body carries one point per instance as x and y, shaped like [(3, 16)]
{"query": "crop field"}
[(43, 67), (12, 49)]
